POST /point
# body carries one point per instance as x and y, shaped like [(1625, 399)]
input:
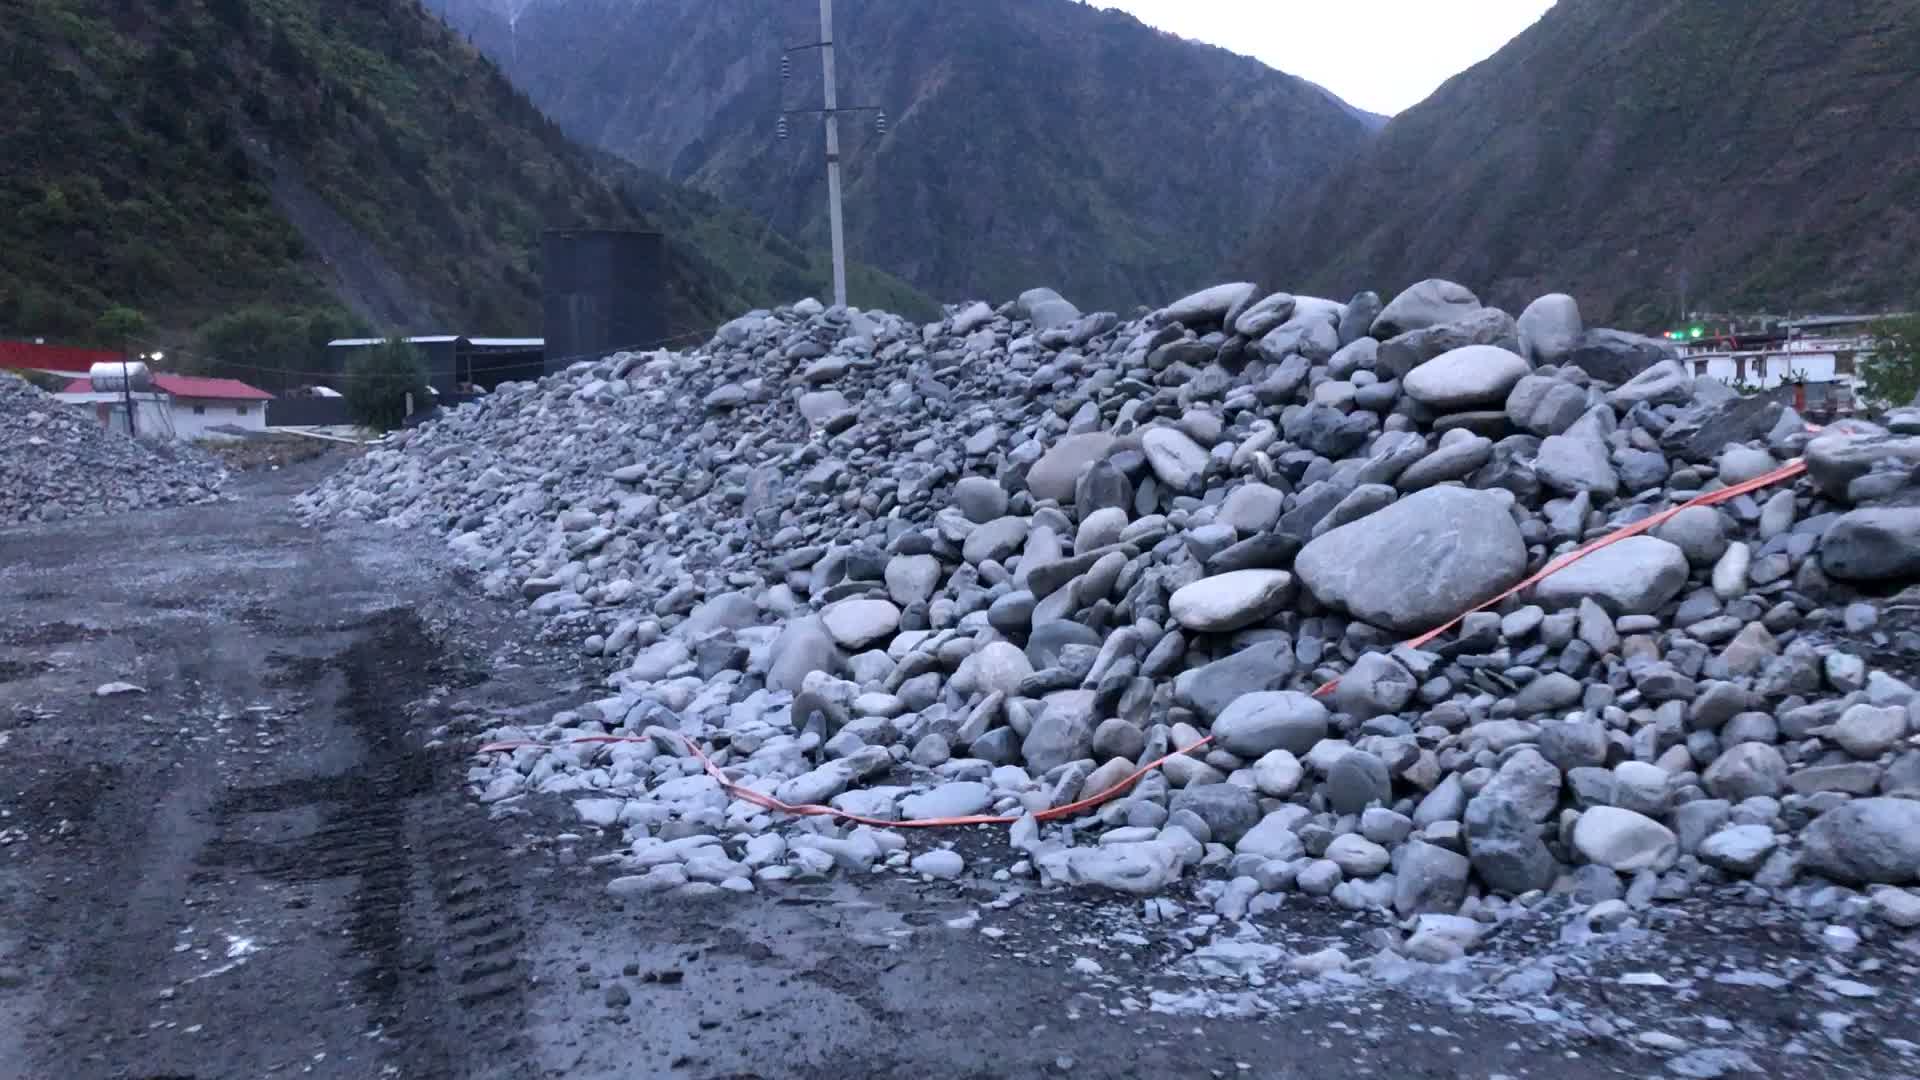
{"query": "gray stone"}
[(1740, 849), (912, 579), (1866, 731), (1136, 869), (1699, 532), (980, 498), (1357, 780), (1550, 328), (801, 648), (1616, 356), (1505, 849), (1228, 809), (1429, 879), (860, 622), (1062, 732), (1252, 508), (958, 799), (1867, 841), (1635, 576), (1425, 304), (1545, 405), (1527, 781), (1745, 771), (1231, 601), (1376, 685), (1624, 841), (1053, 476), (1259, 723), (1419, 562), (1265, 665), (1209, 307), (1878, 544), (1272, 838), (1577, 462), (1465, 378), (1177, 461)]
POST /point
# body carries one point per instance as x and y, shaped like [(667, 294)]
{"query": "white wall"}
[(191, 424)]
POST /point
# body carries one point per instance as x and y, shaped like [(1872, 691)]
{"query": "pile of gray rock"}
[(60, 463), (996, 563)]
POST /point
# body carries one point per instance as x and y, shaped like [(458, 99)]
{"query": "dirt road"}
[(263, 864)]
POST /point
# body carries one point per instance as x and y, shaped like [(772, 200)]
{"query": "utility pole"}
[(831, 113), (126, 389), (833, 155)]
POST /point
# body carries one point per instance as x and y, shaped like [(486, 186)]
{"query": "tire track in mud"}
[(432, 913)]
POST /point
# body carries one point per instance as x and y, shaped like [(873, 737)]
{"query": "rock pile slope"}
[(996, 563), (59, 462)]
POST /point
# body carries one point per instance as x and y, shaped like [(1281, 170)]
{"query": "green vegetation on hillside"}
[(1648, 156), (269, 159)]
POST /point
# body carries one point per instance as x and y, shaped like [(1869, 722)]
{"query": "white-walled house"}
[(180, 406)]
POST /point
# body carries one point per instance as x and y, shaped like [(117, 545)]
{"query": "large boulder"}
[(1425, 304), (1550, 328), (1419, 562), (1177, 460), (1053, 476), (1401, 353), (1879, 544), (1063, 732), (1046, 309), (1624, 841), (1228, 809), (1867, 841), (1211, 688), (1209, 307), (1259, 723), (803, 647), (1634, 576), (1228, 602), (1465, 378), (1840, 456), (1577, 461), (1616, 356)]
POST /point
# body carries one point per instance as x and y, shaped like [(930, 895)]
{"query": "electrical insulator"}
[(780, 130), (786, 67), (880, 121)]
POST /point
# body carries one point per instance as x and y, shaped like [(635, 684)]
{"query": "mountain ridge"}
[(1706, 153), (1030, 143)]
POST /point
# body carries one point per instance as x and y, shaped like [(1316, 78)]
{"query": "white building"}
[(177, 406)]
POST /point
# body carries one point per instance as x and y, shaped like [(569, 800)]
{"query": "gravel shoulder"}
[(265, 865)]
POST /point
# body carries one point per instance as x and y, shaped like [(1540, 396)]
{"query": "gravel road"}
[(264, 865)]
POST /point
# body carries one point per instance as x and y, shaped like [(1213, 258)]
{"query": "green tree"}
[(119, 325), (378, 380), (1891, 374)]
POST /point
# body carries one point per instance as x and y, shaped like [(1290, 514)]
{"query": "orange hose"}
[(1785, 472)]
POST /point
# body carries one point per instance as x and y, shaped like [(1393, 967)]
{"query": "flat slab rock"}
[(1419, 562)]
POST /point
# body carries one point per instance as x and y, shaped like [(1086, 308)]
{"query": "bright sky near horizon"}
[(1380, 55)]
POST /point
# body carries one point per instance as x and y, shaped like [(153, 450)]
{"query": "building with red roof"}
[(187, 406)]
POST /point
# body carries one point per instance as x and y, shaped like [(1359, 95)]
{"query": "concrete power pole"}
[(831, 113), (833, 155)]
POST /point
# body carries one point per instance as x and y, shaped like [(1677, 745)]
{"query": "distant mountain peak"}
[(1033, 142)]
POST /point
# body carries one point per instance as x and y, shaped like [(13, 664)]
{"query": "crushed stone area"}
[(61, 463), (999, 564)]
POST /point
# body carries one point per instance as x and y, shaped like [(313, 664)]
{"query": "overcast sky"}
[(1382, 55)]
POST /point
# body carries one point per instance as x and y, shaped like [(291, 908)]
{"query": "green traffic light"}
[(1698, 332)]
